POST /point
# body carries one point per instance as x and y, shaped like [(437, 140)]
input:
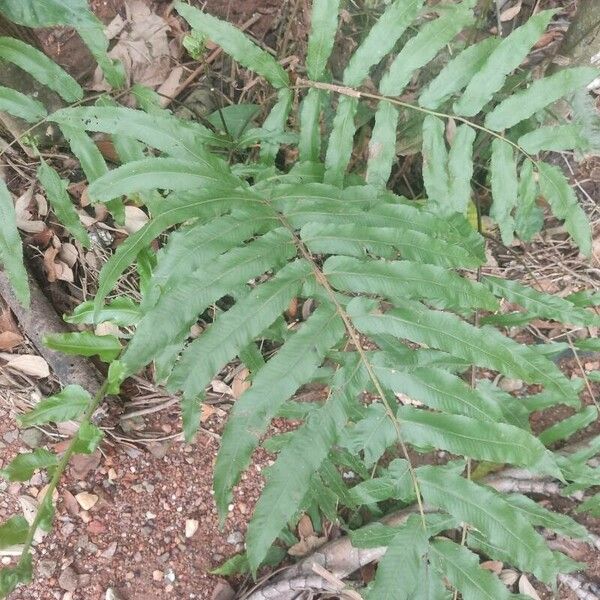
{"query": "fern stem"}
[(58, 472), (355, 339)]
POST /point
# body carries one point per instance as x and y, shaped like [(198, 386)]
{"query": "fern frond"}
[(22, 106), (498, 521), (503, 175), (40, 67), (11, 248), (504, 59)]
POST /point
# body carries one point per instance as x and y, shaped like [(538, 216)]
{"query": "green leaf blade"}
[(85, 343), (40, 67), (11, 248), (70, 403), (304, 352), (236, 44), (539, 94), (60, 202), (504, 59)]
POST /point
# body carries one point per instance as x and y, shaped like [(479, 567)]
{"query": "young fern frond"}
[(395, 311)]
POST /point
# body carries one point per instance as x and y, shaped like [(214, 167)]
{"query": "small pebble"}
[(191, 526)]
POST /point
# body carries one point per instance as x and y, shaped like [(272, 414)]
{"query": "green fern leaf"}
[(493, 442), (164, 132), (380, 39), (396, 483), (40, 67), (460, 171), (562, 199), (484, 346), (73, 13), (20, 105), (236, 328), (309, 143), (56, 191), (324, 19), (437, 389), (23, 466), (435, 161), (191, 247), (540, 304), (11, 248), (91, 159), (372, 434), (303, 456), (397, 280), (70, 403), (382, 146), (85, 343), (299, 357), (432, 586), (88, 438), (539, 94), (398, 571), (503, 60), (423, 47), (235, 43), (152, 173), (341, 141), (461, 567), (121, 311), (529, 218), (554, 138), (500, 523), (175, 312), (457, 73), (209, 202), (503, 175), (274, 125), (569, 426), (539, 516), (356, 240), (10, 578), (13, 532)]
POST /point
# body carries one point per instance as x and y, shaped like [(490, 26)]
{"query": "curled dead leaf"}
[(305, 527), (135, 219), (510, 13), (527, 589), (29, 364), (307, 545), (240, 383), (9, 340)]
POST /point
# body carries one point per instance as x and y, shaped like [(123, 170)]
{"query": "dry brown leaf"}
[(135, 219), (307, 545), (142, 48), (510, 13), (240, 383), (527, 589), (107, 149), (29, 364), (169, 87), (220, 387), (305, 527), (509, 577), (9, 340), (208, 410), (63, 271), (495, 566), (22, 204), (50, 264), (31, 226), (42, 205), (68, 254)]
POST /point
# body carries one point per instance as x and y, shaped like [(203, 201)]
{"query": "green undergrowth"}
[(401, 305)]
